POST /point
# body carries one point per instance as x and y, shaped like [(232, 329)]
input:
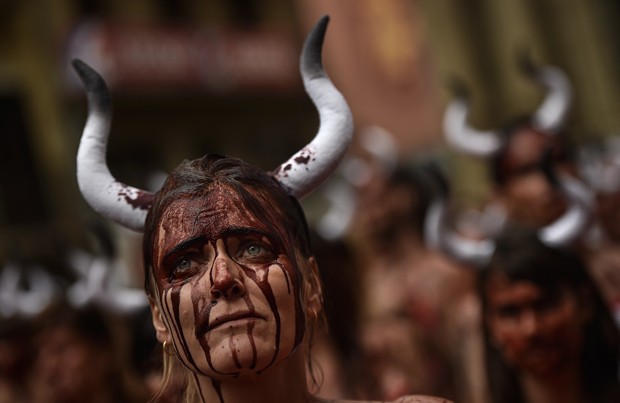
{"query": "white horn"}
[(572, 224), (310, 166), (552, 113), (120, 203), (465, 138), (473, 252)]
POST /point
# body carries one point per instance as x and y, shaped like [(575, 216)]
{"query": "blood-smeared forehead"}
[(207, 216)]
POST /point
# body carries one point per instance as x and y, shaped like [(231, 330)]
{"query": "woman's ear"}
[(161, 331), (313, 291)]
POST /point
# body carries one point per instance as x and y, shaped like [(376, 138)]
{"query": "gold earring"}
[(167, 351)]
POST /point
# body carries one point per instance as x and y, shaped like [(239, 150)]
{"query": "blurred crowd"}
[(515, 300)]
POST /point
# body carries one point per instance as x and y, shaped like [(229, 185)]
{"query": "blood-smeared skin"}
[(189, 219), (171, 302), (216, 386)]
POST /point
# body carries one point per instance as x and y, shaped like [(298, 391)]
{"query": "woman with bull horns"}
[(547, 334), (513, 151), (233, 287)]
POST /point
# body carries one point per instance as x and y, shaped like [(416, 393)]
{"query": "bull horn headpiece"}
[(311, 165), (475, 252), (548, 118), (460, 134), (553, 111), (300, 175), (26, 302), (478, 252)]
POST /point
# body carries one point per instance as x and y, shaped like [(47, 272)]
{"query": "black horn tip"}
[(525, 61), (457, 87), (92, 81), (311, 55)]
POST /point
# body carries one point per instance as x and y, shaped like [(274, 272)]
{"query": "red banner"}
[(156, 58)]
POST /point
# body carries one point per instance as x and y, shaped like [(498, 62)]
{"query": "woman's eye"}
[(185, 264), (254, 250)]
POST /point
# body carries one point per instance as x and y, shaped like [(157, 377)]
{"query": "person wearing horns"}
[(547, 334), (513, 152), (233, 286)]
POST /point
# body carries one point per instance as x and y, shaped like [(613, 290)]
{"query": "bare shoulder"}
[(421, 399)]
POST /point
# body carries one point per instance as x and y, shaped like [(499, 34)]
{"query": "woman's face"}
[(69, 367), (536, 331), (528, 194), (228, 289)]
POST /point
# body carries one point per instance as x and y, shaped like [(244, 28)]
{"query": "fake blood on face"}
[(268, 285)]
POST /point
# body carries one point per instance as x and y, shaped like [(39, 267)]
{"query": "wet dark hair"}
[(521, 256), (264, 197)]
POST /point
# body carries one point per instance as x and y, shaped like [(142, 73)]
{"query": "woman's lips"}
[(227, 318)]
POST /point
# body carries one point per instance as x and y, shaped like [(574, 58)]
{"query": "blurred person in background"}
[(336, 353), (412, 296), (520, 185), (26, 290), (549, 335), (16, 356), (478, 254), (83, 355), (599, 165), (515, 150)]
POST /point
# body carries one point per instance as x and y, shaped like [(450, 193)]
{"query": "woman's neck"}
[(283, 383)]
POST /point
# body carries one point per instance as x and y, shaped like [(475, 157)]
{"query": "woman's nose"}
[(530, 323), (227, 279)]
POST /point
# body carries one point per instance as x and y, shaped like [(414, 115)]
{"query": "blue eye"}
[(254, 250), (184, 264)]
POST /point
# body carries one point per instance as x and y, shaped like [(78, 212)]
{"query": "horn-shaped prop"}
[(95, 285), (460, 135), (121, 203), (301, 174), (573, 223), (562, 232), (17, 301), (314, 163), (552, 112), (600, 170), (472, 252)]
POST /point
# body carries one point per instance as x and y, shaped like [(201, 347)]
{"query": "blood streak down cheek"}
[(294, 279)]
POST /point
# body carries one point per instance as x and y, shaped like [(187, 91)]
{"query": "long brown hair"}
[(521, 256)]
